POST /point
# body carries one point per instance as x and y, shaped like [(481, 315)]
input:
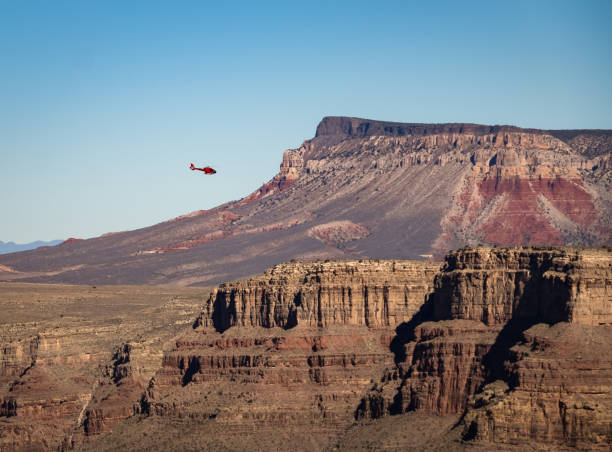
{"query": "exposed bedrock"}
[(497, 285), (300, 344), (363, 188), (515, 339), (375, 294), (512, 338)]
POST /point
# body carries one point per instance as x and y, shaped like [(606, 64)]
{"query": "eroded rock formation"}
[(366, 189), (515, 340), (511, 342), (297, 345), (74, 360)]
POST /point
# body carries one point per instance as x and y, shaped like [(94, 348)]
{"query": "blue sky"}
[(104, 104)]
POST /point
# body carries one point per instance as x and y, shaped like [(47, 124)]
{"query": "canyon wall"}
[(512, 342), (498, 331), (375, 294), (296, 346), (515, 339)]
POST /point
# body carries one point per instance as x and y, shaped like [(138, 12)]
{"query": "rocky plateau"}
[(365, 189), (341, 317), (496, 347)]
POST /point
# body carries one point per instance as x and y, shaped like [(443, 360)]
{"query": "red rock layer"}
[(520, 219), (290, 170), (529, 190)]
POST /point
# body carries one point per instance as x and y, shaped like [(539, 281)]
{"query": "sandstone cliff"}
[(298, 345), (515, 339), (509, 345), (375, 294)]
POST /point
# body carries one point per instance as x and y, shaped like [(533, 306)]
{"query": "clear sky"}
[(104, 104)]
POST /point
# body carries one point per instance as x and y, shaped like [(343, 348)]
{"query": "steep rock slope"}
[(509, 344), (516, 340), (365, 188), (293, 350)]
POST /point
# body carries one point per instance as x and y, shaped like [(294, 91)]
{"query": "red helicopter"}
[(205, 170)]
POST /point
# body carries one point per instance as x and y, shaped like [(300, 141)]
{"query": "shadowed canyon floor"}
[(365, 189), (496, 348)]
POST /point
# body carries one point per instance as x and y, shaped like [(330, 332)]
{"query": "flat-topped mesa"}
[(359, 128), (495, 285), (451, 135), (373, 293), (492, 151), (588, 141)]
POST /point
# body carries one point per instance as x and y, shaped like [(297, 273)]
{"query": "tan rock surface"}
[(519, 340), (75, 359), (297, 346), (296, 349), (499, 348)]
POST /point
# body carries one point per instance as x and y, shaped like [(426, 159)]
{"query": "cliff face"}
[(509, 344), (548, 374), (298, 344), (513, 339), (516, 338), (498, 285), (366, 189), (375, 294)]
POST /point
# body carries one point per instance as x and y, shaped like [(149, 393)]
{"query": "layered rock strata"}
[(374, 294), (363, 188), (297, 346), (75, 360), (512, 339), (515, 339)]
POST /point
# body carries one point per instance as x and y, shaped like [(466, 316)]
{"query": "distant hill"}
[(365, 189), (12, 247)]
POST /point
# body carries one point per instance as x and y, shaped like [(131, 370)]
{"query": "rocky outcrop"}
[(375, 294), (551, 285), (510, 345), (514, 337), (298, 345), (291, 169), (556, 391)]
